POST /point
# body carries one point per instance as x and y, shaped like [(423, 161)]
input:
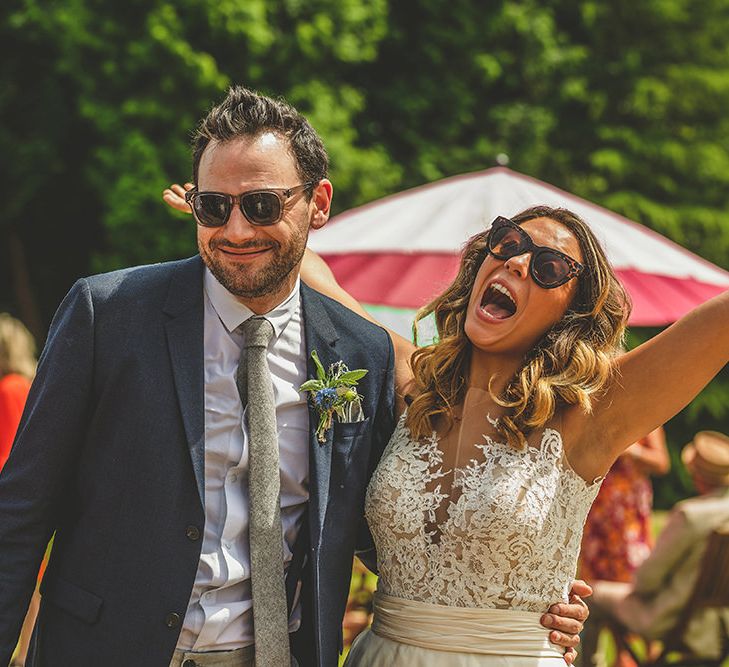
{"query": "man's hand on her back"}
[(567, 620)]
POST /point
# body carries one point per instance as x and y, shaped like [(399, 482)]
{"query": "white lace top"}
[(507, 535)]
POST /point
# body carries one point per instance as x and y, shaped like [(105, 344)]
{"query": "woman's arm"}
[(316, 273), (653, 382)]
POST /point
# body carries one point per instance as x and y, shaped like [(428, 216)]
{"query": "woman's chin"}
[(497, 340), (484, 340), (483, 330)]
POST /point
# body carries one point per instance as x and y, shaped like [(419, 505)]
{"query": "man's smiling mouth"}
[(245, 251)]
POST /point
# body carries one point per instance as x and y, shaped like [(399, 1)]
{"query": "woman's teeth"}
[(498, 302)]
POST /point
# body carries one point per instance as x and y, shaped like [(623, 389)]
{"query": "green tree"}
[(622, 103), (103, 97)]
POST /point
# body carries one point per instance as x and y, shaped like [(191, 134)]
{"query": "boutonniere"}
[(333, 393)]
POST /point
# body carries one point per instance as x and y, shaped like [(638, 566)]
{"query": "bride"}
[(508, 424)]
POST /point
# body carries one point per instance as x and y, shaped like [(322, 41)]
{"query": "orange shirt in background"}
[(13, 393)]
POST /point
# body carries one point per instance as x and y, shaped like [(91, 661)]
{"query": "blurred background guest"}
[(662, 585), (17, 369), (617, 537)]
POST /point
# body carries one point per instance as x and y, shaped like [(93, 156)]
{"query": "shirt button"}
[(192, 533), (172, 620), (227, 545), (232, 477)]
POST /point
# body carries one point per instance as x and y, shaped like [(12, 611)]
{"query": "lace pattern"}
[(510, 534)]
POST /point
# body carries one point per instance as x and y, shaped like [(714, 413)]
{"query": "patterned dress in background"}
[(617, 536)]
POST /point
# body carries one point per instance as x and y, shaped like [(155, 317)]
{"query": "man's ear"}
[(321, 203)]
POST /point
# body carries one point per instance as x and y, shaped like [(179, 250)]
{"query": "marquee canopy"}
[(398, 252)]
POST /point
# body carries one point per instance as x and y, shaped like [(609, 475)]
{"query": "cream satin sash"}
[(462, 629)]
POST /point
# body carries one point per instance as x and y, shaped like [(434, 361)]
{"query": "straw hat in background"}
[(707, 457)]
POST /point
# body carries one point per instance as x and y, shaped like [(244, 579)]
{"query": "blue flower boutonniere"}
[(333, 393)]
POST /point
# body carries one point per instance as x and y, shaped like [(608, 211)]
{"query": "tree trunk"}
[(22, 288)]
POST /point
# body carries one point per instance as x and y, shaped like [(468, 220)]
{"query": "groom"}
[(142, 435)]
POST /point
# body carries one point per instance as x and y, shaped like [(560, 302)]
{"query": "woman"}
[(514, 417), (517, 413)]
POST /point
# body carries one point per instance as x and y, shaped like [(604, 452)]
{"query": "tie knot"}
[(258, 332)]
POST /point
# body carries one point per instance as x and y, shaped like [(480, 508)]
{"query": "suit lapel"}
[(320, 335), (185, 343)]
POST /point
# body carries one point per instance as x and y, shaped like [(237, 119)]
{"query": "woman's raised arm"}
[(653, 382)]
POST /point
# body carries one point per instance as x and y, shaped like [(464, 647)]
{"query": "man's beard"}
[(247, 284)]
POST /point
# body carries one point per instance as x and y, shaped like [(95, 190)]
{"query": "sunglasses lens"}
[(550, 269), (262, 208), (211, 210), (505, 242)]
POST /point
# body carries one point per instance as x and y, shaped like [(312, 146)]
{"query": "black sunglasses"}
[(548, 267), (260, 207)]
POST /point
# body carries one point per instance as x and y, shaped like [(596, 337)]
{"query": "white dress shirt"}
[(220, 612)]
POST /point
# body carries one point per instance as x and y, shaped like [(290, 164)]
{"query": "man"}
[(141, 441), (662, 585)]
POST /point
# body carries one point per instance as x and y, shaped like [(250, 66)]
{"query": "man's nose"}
[(238, 229), (519, 265)]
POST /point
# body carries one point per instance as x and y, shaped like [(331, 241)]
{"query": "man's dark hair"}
[(246, 113)]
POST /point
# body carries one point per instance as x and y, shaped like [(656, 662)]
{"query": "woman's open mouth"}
[(498, 302)]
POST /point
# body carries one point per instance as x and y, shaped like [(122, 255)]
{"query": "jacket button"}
[(172, 620), (193, 533), (189, 663)]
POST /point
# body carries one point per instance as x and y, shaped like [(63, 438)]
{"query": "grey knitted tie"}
[(270, 613)]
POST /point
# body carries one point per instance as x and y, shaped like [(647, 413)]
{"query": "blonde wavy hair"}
[(17, 348), (568, 366)]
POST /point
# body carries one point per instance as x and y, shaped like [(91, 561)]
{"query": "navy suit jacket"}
[(109, 456)]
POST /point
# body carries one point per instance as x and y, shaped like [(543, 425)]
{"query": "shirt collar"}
[(233, 313)]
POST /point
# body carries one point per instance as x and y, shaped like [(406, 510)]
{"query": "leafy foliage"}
[(623, 103)]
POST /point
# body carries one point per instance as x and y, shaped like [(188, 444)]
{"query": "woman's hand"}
[(174, 196)]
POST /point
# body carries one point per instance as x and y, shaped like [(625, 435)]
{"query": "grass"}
[(608, 649)]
